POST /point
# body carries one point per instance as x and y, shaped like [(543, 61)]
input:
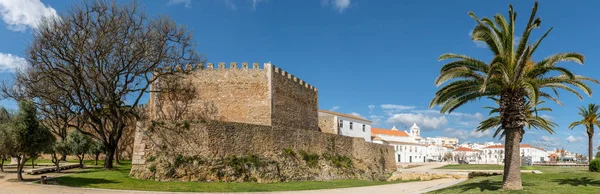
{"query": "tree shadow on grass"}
[(482, 186), (80, 182), (485, 186), (583, 181)]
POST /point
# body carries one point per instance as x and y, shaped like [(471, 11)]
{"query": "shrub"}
[(179, 160), (310, 159), (595, 165), (152, 168), (289, 152), (339, 161)]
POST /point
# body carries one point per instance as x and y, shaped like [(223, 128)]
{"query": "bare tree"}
[(99, 57), (174, 96)]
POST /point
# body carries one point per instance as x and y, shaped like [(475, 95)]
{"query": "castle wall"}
[(295, 102), (231, 94), (203, 148)]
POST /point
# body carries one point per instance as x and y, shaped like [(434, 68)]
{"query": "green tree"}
[(80, 145), (28, 137), (532, 120), (508, 77), (590, 116), (95, 56), (60, 147), (5, 119), (96, 149)]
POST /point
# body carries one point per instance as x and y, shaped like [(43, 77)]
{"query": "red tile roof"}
[(378, 131), (465, 149), (522, 146), (494, 146)]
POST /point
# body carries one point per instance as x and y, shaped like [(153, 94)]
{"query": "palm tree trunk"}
[(590, 144), (512, 106)]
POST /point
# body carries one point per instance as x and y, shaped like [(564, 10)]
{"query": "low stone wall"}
[(237, 152)]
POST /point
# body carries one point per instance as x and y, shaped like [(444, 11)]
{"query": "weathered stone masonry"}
[(205, 146), (268, 96), (265, 129)]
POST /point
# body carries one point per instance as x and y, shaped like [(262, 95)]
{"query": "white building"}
[(467, 154), (494, 154), (409, 152), (440, 141), (393, 134), (407, 146), (346, 125)]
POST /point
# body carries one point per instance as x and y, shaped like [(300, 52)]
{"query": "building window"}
[(364, 128), (341, 124), (350, 125)]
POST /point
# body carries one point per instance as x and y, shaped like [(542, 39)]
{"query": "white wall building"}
[(410, 152), (349, 125), (408, 145), (494, 154), (392, 135), (468, 154)]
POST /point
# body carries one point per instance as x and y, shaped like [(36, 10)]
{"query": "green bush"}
[(311, 159), (595, 165), (152, 168), (289, 152), (339, 161)]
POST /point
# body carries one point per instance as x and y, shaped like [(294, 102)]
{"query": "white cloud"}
[(11, 63), (356, 114), (478, 134), (256, 2), (334, 108), (546, 142), (339, 5), (23, 14), (573, 139), (187, 3), (392, 108), (371, 107), (230, 4), (376, 120), (424, 121), (547, 117)]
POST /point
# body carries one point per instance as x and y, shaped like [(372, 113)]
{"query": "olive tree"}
[(79, 145), (26, 136), (96, 61)]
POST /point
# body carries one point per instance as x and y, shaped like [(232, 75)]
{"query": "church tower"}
[(415, 131)]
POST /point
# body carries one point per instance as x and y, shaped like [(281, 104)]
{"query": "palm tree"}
[(507, 77), (590, 118), (532, 120)]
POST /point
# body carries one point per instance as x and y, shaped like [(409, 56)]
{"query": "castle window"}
[(364, 128), (350, 125)]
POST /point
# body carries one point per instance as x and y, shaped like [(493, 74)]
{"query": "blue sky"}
[(376, 59)]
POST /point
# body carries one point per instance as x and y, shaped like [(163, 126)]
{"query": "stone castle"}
[(258, 124), (268, 96)]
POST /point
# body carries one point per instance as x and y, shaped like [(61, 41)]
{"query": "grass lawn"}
[(482, 167), (119, 179), (553, 180)]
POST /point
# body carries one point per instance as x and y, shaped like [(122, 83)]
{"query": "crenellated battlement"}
[(234, 66), (245, 92), (279, 71)]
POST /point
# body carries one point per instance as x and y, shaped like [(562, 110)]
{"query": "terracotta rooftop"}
[(466, 149), (344, 115), (405, 143), (378, 131), (502, 146)]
